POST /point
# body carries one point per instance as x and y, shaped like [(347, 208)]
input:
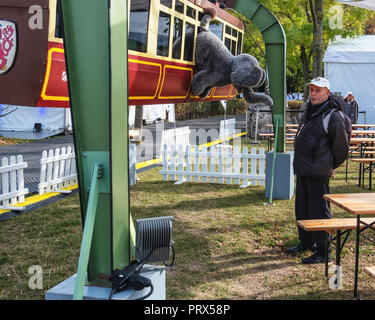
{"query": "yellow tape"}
[(38, 198), (155, 161)]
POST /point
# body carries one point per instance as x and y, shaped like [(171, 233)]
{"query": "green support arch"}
[(275, 42), (95, 40)]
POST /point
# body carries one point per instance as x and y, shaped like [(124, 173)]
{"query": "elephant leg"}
[(205, 92), (202, 83), (251, 97)]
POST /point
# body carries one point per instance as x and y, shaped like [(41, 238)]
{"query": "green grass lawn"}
[(229, 244)]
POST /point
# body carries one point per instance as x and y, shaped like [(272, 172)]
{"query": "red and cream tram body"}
[(161, 45)]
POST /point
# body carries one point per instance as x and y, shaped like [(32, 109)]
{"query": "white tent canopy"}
[(365, 4), (153, 112), (349, 65), (19, 121)]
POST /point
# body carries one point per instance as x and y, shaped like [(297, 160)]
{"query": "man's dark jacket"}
[(351, 109), (316, 153)]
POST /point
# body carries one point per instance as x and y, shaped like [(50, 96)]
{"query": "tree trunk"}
[(306, 72), (316, 7), (138, 119), (138, 122)]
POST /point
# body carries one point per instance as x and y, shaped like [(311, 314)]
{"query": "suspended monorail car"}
[(161, 45)]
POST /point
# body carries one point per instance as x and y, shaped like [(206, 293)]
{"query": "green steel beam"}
[(95, 39), (88, 232), (275, 42), (132, 237), (119, 133)]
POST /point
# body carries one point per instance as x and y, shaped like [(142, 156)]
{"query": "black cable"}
[(141, 264), (148, 294), (173, 255), (140, 298), (111, 294)]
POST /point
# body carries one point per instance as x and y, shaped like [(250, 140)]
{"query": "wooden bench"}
[(363, 152), (270, 138), (370, 271), (331, 225), (367, 147), (338, 226), (370, 162), (354, 151)]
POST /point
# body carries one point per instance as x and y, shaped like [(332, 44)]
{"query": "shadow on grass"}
[(347, 188), (160, 186), (324, 294), (256, 198), (200, 265)]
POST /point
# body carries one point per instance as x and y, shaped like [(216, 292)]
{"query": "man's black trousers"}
[(311, 205)]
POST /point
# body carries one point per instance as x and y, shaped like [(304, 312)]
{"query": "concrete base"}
[(65, 289), (283, 183)]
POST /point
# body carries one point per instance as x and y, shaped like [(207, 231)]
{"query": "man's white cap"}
[(320, 82), (348, 93)]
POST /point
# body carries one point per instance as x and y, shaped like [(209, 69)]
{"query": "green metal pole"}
[(119, 133), (87, 234), (275, 42), (274, 161), (95, 42)]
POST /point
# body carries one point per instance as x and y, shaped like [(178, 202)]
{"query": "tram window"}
[(200, 16), (228, 30), (177, 38), (190, 12), (167, 3), (138, 24), (163, 34), (179, 6), (217, 29), (227, 43), (58, 25), (239, 43), (189, 41), (233, 48), (234, 33)]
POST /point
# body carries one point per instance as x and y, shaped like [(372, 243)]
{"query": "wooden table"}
[(357, 204), (288, 125)]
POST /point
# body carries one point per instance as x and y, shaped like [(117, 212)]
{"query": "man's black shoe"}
[(297, 249), (317, 257)]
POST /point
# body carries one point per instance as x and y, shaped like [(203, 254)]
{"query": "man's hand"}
[(333, 174)]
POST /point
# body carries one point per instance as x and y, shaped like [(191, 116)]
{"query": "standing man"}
[(316, 155), (351, 107)]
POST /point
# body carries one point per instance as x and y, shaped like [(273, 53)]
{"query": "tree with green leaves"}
[(309, 25)]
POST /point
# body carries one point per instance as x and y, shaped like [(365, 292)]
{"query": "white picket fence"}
[(57, 170), (178, 136), (218, 165), (12, 183), (227, 128)]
